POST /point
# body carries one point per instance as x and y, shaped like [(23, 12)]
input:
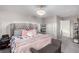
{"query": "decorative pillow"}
[(17, 32), (24, 33), (31, 33)]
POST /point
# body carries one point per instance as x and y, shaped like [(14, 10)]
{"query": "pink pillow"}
[(24, 33), (30, 33)]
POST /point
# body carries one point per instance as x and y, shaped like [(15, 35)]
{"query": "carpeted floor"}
[(68, 46)]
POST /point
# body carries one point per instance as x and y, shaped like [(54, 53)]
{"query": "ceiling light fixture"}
[(41, 12)]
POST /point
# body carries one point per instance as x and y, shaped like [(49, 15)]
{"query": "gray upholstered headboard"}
[(14, 26)]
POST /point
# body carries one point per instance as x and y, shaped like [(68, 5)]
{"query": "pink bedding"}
[(37, 42)]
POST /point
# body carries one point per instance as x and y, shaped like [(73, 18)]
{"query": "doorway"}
[(64, 28)]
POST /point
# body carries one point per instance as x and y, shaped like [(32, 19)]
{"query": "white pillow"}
[(31, 33)]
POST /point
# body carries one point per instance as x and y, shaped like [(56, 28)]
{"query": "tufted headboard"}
[(15, 26)]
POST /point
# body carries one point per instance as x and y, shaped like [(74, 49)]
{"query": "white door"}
[(65, 28)]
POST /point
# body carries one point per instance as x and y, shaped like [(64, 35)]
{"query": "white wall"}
[(56, 24), (51, 27), (6, 18)]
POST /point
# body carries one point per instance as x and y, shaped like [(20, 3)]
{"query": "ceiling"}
[(51, 10)]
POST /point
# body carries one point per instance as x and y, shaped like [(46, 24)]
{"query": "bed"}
[(21, 43)]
